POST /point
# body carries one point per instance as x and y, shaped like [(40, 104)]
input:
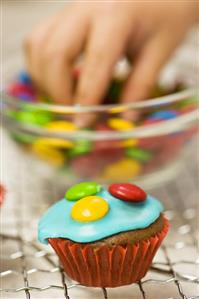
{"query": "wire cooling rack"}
[(31, 270)]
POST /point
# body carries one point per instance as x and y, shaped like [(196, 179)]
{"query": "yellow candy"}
[(120, 124), (118, 109), (123, 125), (48, 153), (124, 169), (61, 126), (90, 208), (129, 142), (56, 143)]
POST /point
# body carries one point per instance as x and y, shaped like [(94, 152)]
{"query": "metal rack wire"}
[(30, 270)]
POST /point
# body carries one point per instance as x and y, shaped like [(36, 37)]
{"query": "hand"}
[(147, 32)]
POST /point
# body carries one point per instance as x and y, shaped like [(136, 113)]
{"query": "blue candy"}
[(164, 114), (25, 97), (23, 77)]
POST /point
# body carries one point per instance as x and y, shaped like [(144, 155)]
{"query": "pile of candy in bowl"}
[(124, 155)]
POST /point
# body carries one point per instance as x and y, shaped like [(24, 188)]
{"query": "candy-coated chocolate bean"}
[(164, 115), (120, 124), (90, 208), (24, 138), (61, 126), (81, 190), (80, 147), (56, 143), (12, 114), (92, 164), (151, 121), (191, 102), (152, 143), (23, 77), (138, 154), (117, 109), (113, 143), (129, 142), (40, 118), (187, 109), (87, 166), (18, 88), (2, 194), (103, 127), (105, 156), (26, 97), (106, 144), (127, 192), (124, 169), (48, 154)]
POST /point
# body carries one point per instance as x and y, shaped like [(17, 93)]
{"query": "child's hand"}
[(147, 32)]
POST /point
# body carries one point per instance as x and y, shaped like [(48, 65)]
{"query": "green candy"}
[(138, 154), (23, 138), (40, 118), (193, 101), (12, 114), (81, 147), (81, 190)]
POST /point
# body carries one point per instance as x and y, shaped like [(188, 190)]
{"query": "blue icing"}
[(122, 216)]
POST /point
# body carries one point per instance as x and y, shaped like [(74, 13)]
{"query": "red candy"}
[(152, 121), (127, 192), (17, 88), (105, 144), (2, 194), (103, 127)]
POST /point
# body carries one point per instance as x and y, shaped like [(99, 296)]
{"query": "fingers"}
[(102, 53), (145, 72), (33, 46), (63, 47), (52, 52)]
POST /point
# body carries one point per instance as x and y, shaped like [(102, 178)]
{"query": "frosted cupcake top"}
[(89, 213)]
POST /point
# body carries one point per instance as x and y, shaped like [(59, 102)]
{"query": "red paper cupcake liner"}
[(105, 266)]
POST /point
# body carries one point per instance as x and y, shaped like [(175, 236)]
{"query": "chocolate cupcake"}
[(105, 238)]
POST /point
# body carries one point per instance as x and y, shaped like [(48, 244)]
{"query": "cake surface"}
[(133, 236), (122, 216)]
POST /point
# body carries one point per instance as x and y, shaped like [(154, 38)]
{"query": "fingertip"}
[(136, 89), (131, 115), (85, 120), (60, 94)]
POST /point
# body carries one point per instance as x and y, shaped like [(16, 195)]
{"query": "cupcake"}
[(105, 237)]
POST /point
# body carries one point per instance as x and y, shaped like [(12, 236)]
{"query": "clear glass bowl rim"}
[(165, 127), (109, 108)]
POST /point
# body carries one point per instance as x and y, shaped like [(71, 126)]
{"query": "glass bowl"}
[(110, 148)]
